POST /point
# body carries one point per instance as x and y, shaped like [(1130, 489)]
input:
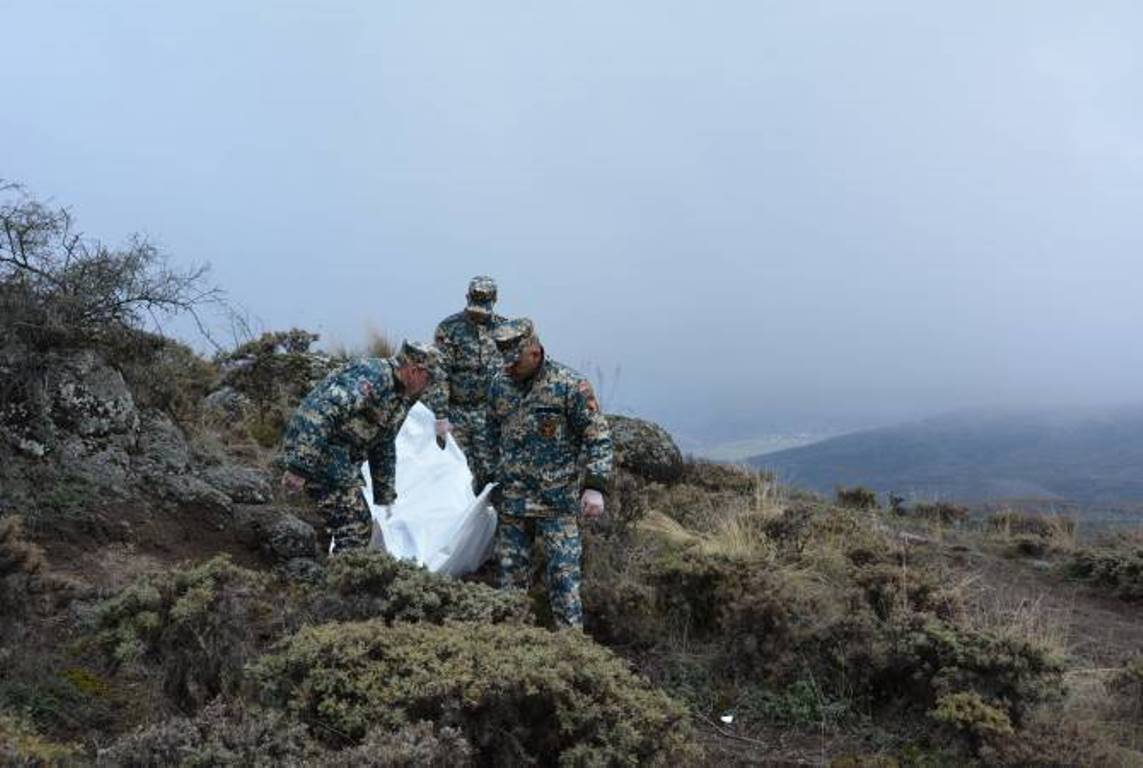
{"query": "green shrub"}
[(790, 531), (1116, 567), (968, 713), (800, 703), (518, 694), (858, 497), (930, 659), (895, 591), (1054, 743), (1014, 523), (421, 745), (50, 695), (165, 375), (20, 562), (942, 512), (370, 585), (275, 371), (199, 625), (221, 735), (21, 745), (1127, 687)]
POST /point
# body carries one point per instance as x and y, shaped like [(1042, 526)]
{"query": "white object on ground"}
[(437, 520), (728, 719)]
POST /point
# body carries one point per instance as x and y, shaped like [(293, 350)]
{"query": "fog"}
[(738, 217)]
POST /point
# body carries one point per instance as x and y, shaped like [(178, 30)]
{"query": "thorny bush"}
[(519, 694)]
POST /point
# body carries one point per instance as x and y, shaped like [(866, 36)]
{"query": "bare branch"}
[(68, 286)]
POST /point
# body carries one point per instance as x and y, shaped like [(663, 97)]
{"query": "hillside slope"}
[(1091, 456)]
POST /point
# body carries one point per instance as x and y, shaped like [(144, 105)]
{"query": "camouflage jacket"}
[(470, 361), (549, 441), (353, 415)]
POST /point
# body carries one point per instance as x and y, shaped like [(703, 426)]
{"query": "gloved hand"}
[(293, 483), (444, 426), (591, 504)]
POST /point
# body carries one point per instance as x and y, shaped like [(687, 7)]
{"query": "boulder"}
[(227, 402), (162, 447), (89, 398), (275, 531), (304, 569), (104, 466), (645, 449), (289, 538), (244, 485), (189, 491)]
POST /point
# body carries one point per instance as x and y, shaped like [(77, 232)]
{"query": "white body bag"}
[(437, 521)]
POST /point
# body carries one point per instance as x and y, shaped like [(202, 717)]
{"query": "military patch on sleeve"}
[(589, 394)]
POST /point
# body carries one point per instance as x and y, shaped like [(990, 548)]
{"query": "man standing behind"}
[(470, 360), (542, 416), (354, 415)]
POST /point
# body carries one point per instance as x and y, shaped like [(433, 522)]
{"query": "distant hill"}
[(1086, 455)]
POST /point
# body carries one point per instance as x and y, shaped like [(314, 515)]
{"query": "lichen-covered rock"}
[(189, 491), (104, 466), (227, 402), (275, 531), (288, 538), (304, 569), (244, 485), (162, 446), (87, 397), (645, 449)]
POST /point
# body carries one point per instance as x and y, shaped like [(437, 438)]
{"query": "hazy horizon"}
[(751, 218)]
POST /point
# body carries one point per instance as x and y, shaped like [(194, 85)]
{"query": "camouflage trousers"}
[(347, 517), (558, 538), (468, 427)]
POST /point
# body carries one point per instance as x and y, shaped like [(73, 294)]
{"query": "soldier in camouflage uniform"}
[(470, 360), (553, 462), (354, 415)]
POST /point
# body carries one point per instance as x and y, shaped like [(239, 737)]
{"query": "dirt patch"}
[(147, 539)]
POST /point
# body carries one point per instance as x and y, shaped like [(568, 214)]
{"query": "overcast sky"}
[(763, 215)]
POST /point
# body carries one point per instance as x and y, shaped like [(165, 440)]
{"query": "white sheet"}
[(437, 520)]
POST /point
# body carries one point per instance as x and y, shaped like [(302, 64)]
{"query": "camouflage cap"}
[(418, 353), (509, 336), (481, 294)]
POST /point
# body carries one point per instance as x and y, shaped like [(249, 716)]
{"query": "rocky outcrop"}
[(275, 531), (645, 449), (243, 485), (227, 403)]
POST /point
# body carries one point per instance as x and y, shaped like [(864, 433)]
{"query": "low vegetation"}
[(729, 619), (1114, 566)]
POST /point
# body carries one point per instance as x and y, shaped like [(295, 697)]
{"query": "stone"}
[(275, 531), (244, 485), (289, 537), (227, 402), (89, 398), (162, 447), (189, 491), (645, 449), (304, 569), (105, 466)]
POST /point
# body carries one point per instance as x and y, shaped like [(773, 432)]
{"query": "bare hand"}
[(591, 504)]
